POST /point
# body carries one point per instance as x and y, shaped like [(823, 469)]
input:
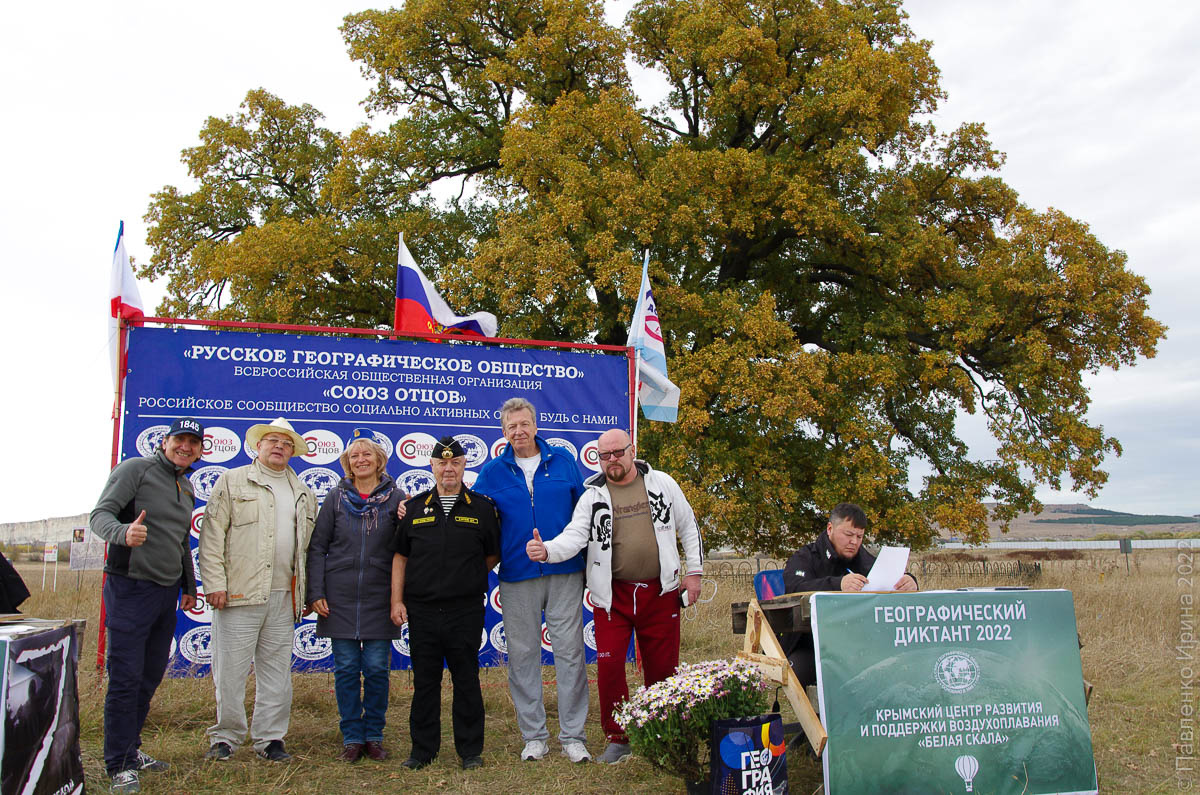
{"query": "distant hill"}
[(1083, 521)]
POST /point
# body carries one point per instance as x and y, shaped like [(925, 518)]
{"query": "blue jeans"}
[(363, 711)]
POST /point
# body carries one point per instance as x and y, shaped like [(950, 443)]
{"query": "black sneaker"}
[(472, 763), (274, 752), (147, 762), (412, 763), (219, 752)]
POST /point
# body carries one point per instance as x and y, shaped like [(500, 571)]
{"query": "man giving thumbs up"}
[(144, 513)]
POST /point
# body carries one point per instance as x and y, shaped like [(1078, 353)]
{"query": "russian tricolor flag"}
[(421, 310)]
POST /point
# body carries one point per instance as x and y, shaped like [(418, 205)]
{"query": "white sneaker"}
[(126, 781), (576, 752), (534, 749)]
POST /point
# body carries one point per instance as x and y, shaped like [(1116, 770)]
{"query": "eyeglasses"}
[(275, 440), (604, 456)]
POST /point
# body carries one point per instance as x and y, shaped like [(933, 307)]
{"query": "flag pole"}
[(118, 397), (637, 387)]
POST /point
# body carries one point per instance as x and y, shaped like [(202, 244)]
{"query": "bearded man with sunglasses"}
[(632, 520)]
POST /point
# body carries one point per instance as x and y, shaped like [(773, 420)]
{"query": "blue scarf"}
[(366, 508)]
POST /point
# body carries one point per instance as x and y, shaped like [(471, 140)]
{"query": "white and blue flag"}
[(658, 396)]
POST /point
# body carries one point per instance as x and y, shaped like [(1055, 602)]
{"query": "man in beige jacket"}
[(252, 551)]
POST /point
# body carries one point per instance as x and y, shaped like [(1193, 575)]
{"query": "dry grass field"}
[(1130, 625)]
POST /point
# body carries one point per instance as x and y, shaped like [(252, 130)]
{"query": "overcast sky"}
[(1093, 102)]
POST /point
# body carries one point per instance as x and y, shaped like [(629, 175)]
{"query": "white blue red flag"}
[(658, 396), (421, 310), (124, 299)]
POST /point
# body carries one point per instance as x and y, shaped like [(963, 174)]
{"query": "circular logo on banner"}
[(589, 635), (220, 445), (383, 442), (499, 446), (956, 672), (494, 598), (324, 447), (591, 455), (546, 638), (197, 525), (203, 480), (249, 450), (400, 644), (150, 439), (473, 446), (587, 599), (196, 645), (414, 449), (564, 444), (415, 481), (307, 646), (201, 613), (320, 480), (469, 478), (498, 638), (736, 749)]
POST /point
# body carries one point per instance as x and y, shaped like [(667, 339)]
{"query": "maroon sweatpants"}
[(636, 607)]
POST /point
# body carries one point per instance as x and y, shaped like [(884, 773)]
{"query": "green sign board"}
[(952, 692)]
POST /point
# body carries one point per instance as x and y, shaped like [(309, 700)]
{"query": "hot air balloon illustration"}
[(967, 767)]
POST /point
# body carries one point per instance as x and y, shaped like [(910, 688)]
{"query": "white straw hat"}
[(280, 425)]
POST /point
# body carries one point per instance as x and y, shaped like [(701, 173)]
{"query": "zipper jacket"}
[(154, 485), (350, 564), (591, 527), (557, 486)]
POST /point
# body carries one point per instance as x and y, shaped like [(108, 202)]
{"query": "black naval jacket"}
[(446, 554)]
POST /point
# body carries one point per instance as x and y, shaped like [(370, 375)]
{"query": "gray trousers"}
[(561, 597), (263, 635)]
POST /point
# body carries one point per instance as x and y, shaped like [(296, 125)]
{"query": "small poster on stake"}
[(50, 553)]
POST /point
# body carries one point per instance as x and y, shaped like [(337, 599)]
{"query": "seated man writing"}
[(836, 561)]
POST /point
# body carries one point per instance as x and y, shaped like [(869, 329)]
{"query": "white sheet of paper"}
[(888, 569)]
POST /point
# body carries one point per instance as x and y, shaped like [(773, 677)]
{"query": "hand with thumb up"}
[(535, 549), (135, 534)]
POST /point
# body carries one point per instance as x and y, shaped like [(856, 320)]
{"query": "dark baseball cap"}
[(447, 447), (187, 425)]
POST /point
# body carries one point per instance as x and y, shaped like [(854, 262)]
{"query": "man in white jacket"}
[(629, 518)]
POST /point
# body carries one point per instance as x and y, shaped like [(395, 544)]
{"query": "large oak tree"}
[(837, 278)]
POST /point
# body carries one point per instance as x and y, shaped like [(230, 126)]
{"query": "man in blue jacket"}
[(535, 487)]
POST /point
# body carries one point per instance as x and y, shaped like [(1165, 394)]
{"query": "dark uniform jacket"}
[(446, 552)]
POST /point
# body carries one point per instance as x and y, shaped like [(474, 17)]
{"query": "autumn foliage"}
[(837, 278)]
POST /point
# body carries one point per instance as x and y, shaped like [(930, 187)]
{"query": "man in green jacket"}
[(144, 513)]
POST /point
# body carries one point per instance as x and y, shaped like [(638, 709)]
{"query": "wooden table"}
[(787, 613)]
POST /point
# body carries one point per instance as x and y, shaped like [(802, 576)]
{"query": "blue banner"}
[(410, 393)]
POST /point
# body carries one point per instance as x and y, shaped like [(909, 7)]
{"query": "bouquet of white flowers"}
[(669, 724)]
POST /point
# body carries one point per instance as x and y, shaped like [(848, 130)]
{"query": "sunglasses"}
[(604, 456)]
